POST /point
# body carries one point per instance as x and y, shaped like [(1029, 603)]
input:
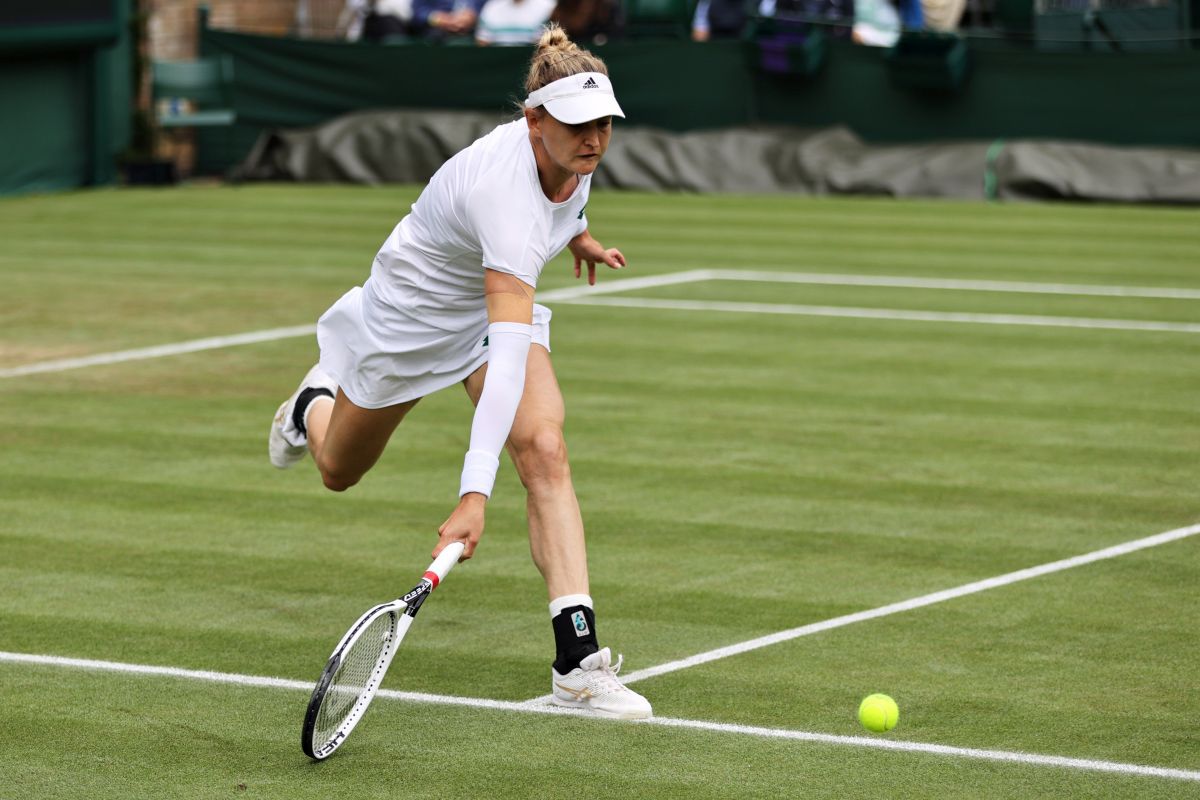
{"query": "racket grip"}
[(445, 560)]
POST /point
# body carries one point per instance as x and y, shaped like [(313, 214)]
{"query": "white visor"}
[(577, 98)]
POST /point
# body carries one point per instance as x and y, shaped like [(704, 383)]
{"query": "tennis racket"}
[(360, 661)]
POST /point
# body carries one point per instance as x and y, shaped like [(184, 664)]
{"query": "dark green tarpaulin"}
[(408, 146)]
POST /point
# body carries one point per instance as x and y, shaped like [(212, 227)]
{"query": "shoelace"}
[(605, 677)]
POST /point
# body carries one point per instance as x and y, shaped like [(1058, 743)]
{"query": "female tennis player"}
[(450, 299)]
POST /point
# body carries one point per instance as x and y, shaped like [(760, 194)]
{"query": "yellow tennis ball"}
[(878, 713)]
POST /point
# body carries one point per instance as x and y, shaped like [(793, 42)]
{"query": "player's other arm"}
[(510, 329), (587, 250)]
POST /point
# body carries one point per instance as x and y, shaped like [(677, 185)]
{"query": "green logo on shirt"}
[(581, 212)]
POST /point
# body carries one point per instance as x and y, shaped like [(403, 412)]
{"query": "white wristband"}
[(479, 473)]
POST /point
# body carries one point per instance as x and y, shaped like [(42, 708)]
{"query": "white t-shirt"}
[(513, 21), (483, 208), (419, 323), (876, 22)]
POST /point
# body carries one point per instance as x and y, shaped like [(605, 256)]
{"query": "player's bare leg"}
[(346, 440), (539, 452), (583, 675)]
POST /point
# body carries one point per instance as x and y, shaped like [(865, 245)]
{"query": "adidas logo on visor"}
[(590, 83)]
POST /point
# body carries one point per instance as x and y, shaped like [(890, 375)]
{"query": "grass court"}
[(799, 409)]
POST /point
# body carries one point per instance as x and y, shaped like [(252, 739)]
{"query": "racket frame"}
[(406, 607)]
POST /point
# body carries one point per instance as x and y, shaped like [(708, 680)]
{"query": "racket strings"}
[(355, 675)]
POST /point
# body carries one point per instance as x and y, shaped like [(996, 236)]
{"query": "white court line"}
[(889, 314), (193, 346), (901, 282), (255, 337), (904, 605), (573, 294), (1027, 759), (627, 285)]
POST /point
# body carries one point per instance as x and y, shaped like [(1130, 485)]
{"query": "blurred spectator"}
[(876, 23), (836, 13), (942, 15), (439, 19), (589, 21), (718, 19), (387, 19), (350, 21), (912, 16), (512, 22)]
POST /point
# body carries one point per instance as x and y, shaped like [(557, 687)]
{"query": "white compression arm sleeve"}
[(508, 349)]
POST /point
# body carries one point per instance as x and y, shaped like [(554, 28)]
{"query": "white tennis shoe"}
[(287, 444), (594, 686)]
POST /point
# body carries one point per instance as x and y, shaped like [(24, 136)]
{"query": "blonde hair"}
[(557, 57)]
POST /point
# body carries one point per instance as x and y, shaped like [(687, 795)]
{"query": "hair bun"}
[(556, 56), (554, 38)]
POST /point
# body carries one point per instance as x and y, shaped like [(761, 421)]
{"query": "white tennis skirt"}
[(398, 359)]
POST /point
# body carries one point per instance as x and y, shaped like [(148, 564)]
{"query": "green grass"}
[(740, 474)]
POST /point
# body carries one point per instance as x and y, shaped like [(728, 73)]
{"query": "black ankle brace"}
[(574, 637), (307, 395)]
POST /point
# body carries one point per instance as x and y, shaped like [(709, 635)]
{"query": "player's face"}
[(576, 148)]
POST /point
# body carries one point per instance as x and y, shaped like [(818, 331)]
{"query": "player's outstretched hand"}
[(588, 250), (464, 525)]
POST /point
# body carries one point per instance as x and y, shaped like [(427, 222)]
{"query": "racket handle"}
[(445, 560)]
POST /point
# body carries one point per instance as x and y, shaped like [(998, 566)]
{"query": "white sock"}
[(566, 601)]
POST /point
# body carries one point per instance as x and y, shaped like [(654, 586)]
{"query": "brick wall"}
[(171, 24)]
